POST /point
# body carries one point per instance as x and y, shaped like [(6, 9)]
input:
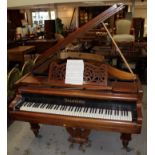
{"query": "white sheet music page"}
[(74, 72)]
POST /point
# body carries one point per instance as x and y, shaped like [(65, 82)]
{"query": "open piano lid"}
[(45, 59), (45, 62)]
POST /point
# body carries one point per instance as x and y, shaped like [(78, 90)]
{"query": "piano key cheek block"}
[(109, 99)]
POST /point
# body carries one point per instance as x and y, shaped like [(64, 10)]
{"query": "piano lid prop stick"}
[(122, 56)]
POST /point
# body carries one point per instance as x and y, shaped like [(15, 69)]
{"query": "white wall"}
[(142, 12), (65, 14)]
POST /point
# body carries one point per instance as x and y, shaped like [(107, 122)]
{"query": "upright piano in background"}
[(109, 99)]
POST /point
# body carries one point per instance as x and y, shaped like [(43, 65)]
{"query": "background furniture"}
[(138, 24), (41, 45), (17, 54), (123, 29), (49, 29), (123, 36)]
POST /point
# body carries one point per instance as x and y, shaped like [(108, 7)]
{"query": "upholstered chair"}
[(124, 34)]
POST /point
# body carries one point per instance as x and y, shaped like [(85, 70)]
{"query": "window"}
[(39, 17)]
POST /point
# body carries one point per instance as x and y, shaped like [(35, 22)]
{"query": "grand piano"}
[(109, 99)]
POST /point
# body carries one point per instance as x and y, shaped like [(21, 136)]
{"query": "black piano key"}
[(78, 109), (111, 112), (51, 107), (117, 112), (43, 106), (54, 106), (101, 112), (35, 105), (47, 106), (40, 105), (86, 110), (61, 107), (71, 108), (25, 103), (106, 111), (29, 103), (91, 110), (75, 109), (57, 107), (65, 108)]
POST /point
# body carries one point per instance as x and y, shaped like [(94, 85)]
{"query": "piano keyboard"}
[(78, 111)]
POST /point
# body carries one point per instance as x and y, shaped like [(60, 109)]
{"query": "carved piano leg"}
[(35, 128), (78, 135), (125, 140)]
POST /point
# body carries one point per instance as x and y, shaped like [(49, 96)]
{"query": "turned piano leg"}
[(78, 135), (125, 139), (35, 128)]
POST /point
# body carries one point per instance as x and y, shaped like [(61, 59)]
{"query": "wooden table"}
[(41, 44), (17, 53)]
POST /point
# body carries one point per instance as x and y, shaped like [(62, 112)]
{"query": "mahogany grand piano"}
[(109, 99)]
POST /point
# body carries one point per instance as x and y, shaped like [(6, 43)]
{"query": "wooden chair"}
[(28, 65)]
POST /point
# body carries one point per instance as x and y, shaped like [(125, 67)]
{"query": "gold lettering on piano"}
[(69, 100)]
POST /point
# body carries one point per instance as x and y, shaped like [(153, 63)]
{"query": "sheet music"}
[(74, 72)]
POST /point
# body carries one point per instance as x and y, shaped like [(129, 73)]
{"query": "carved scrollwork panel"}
[(93, 74), (57, 71)]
